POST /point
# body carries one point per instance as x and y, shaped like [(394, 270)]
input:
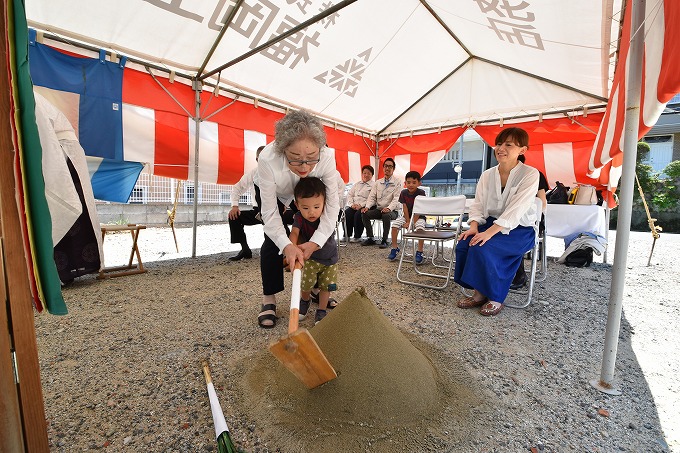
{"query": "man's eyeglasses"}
[(298, 163), (388, 166)]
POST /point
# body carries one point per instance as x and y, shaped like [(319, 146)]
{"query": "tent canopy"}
[(380, 66)]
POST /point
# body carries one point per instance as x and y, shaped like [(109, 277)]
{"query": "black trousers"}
[(271, 262), (238, 235), (376, 213), (353, 222)]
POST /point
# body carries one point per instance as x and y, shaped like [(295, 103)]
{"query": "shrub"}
[(660, 194), (672, 170)]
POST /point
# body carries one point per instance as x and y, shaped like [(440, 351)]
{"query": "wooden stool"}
[(129, 269)]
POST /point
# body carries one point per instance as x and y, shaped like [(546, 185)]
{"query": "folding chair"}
[(341, 221), (539, 248), (438, 207)]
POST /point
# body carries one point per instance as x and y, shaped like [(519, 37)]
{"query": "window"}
[(139, 195), (660, 153), (188, 192)]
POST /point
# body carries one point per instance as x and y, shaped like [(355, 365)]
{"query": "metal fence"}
[(158, 189)]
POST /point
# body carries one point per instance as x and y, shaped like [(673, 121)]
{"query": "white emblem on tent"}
[(346, 76)]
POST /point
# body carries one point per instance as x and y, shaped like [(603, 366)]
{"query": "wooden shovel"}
[(298, 351)]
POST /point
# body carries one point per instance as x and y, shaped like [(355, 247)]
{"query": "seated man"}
[(382, 203), (356, 199), (237, 218)]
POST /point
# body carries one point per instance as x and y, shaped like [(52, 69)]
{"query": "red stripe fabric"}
[(419, 162), (554, 130), (666, 85), (241, 115), (139, 88), (668, 78), (342, 164), (171, 158), (579, 131), (421, 144), (344, 142), (418, 147), (232, 155)]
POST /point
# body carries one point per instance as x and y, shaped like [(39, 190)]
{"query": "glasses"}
[(388, 166), (299, 163)]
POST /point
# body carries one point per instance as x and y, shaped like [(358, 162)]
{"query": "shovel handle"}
[(295, 299)]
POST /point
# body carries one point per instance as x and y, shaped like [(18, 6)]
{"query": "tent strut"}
[(333, 9), (223, 30), (168, 92)]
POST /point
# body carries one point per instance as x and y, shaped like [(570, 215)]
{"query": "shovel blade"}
[(299, 353)]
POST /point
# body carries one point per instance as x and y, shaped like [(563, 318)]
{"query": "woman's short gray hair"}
[(298, 125)]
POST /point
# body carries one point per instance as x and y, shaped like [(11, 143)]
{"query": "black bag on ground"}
[(558, 194), (579, 258)]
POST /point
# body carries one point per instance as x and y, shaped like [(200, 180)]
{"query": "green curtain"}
[(40, 222)]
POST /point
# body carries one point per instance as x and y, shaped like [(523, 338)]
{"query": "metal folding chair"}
[(533, 274), (437, 207), (341, 221)]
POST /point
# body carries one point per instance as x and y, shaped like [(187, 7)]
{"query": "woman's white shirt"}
[(514, 205), (276, 181)]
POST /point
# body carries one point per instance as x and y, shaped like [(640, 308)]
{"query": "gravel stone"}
[(126, 360)]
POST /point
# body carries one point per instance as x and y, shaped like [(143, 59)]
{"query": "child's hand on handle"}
[(308, 248)]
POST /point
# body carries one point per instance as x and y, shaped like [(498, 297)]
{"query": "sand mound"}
[(386, 389), (382, 377)]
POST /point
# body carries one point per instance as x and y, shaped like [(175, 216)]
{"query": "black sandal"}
[(332, 303), (268, 313)]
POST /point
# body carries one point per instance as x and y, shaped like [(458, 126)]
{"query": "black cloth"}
[(77, 253), (543, 182), (353, 223), (251, 217), (271, 261), (375, 213)]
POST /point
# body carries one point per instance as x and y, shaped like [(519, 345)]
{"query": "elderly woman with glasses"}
[(298, 151)]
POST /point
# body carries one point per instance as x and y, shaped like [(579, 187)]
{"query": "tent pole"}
[(630, 138), (607, 219), (197, 90)]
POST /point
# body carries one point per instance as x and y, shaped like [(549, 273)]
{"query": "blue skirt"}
[(490, 268)]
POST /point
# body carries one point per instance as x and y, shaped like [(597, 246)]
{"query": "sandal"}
[(470, 302), (332, 303), (267, 315), (491, 309)]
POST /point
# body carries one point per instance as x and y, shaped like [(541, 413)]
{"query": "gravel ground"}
[(122, 370)]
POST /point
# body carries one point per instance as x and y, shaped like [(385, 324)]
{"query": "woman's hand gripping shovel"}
[(298, 351)]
